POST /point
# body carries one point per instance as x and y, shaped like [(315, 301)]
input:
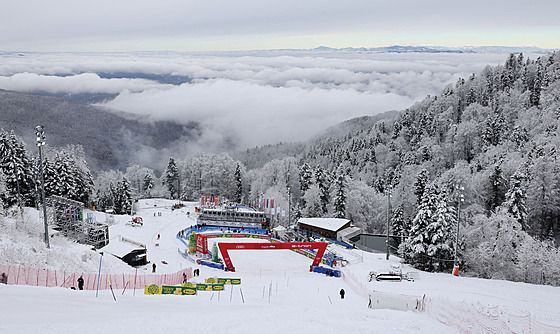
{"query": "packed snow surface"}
[(278, 294)]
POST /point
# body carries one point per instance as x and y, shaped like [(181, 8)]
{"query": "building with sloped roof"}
[(327, 227)]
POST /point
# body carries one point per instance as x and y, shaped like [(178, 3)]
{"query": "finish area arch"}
[(225, 246)]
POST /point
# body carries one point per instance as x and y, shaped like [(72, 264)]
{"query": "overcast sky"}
[(189, 25)]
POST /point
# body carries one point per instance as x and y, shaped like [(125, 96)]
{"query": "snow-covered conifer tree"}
[(305, 178), (495, 188), (416, 246), (171, 177), (65, 185), (420, 185), (50, 176), (238, 184), (321, 178), (340, 196), (314, 207), (305, 182), (148, 183), (17, 167), (398, 223), (516, 199), (440, 232), (122, 197)]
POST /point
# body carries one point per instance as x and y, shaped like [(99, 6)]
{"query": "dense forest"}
[(482, 154)]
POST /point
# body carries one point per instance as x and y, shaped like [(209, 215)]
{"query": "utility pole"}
[(388, 217), (19, 193), (41, 143), (461, 199), (132, 201), (289, 208)]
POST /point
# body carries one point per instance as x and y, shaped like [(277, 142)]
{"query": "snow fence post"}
[(134, 294), (99, 275)]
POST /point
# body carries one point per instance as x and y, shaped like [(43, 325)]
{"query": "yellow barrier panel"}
[(152, 290)]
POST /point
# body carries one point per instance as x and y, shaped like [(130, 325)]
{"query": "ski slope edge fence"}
[(469, 317), (17, 275), (478, 318)]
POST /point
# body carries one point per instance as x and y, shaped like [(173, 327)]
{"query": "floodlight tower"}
[(18, 193), (40, 143), (461, 189), (388, 217), (289, 208)]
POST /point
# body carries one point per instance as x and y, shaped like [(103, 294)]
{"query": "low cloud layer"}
[(80, 83), (252, 98)]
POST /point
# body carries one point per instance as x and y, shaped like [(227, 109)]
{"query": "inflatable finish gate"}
[(224, 247)]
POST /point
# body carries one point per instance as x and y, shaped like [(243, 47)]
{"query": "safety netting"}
[(17, 275)]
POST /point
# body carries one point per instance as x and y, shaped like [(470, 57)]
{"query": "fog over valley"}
[(246, 99)]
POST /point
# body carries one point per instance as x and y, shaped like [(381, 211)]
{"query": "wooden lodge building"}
[(326, 227)]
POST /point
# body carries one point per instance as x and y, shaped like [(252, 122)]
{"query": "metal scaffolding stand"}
[(66, 216)]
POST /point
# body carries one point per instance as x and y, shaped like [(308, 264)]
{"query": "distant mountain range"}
[(110, 139), (380, 49), (439, 49)]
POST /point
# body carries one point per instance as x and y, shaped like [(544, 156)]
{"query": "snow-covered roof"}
[(119, 248), (349, 230), (331, 224), (244, 208)]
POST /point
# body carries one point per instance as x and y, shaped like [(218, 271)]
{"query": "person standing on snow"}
[(342, 292), (81, 283), (154, 268)]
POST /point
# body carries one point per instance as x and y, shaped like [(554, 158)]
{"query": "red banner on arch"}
[(224, 247)]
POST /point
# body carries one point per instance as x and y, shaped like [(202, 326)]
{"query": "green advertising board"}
[(192, 243), (177, 290), (232, 281), (209, 287)]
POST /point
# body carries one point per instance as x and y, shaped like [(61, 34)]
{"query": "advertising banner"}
[(192, 243), (201, 244), (209, 287), (177, 290), (152, 290), (232, 281), (169, 290)]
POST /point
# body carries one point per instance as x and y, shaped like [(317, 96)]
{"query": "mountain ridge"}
[(108, 137)]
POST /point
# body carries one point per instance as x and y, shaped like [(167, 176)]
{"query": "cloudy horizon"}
[(249, 99)]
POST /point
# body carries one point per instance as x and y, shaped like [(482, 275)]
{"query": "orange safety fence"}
[(354, 283), (17, 275)]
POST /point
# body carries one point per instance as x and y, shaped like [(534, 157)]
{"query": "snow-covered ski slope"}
[(278, 294)]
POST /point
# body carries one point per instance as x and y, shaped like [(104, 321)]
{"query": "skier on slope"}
[(81, 282), (154, 268), (342, 292)]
